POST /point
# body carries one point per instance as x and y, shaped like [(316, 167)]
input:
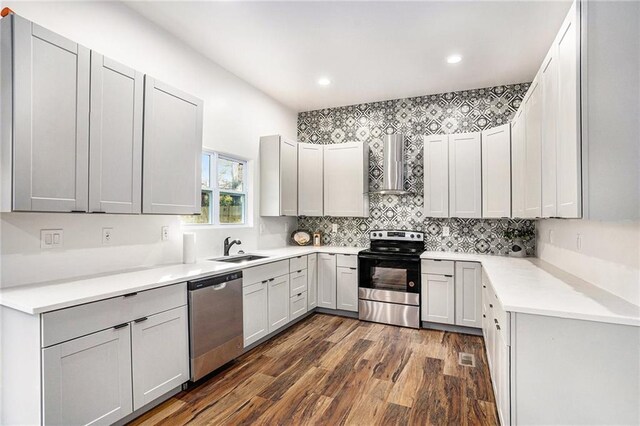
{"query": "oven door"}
[(390, 278)]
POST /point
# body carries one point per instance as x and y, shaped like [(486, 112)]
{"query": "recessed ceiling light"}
[(324, 81), (454, 59)]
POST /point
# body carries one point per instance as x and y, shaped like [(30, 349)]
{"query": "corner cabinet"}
[(436, 176), (310, 179), (48, 80), (465, 175), (346, 179), (171, 179), (496, 172), (278, 176), (327, 280)]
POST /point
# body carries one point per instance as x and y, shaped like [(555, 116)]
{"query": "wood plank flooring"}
[(330, 370)]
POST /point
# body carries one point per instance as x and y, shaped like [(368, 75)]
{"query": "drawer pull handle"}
[(299, 271), (130, 294), (141, 319), (498, 326), (484, 286), (353, 269), (299, 294), (271, 279), (116, 327), (484, 316), (265, 281), (331, 254), (437, 260), (449, 276)]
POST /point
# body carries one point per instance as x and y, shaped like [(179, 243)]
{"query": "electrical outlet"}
[(106, 235), (446, 231), (550, 236), (165, 233), (334, 227), (51, 238)]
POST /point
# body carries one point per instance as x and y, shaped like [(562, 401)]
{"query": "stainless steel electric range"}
[(389, 278)]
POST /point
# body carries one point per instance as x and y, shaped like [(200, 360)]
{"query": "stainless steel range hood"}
[(393, 166)]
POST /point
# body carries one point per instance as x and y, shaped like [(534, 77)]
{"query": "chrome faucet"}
[(228, 245)]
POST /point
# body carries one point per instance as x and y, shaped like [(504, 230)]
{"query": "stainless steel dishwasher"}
[(215, 322)]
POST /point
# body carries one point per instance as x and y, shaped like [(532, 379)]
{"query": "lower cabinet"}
[(297, 305), (158, 345), (327, 280), (347, 289), (88, 380), (468, 294), (312, 281), (255, 312), (438, 298), (278, 302)]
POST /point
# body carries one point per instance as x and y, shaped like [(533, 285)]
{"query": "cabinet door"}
[(288, 178), (312, 282), (468, 279), (255, 320), (436, 176), (346, 186), (496, 172), (347, 289), (115, 175), (278, 301), (465, 175), (88, 380), (172, 155), (327, 281), (51, 121), (533, 152), (549, 83), (517, 163), (160, 353), (568, 144), (310, 169), (502, 378), (438, 298)]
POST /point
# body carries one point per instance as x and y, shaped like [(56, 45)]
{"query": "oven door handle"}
[(389, 257)]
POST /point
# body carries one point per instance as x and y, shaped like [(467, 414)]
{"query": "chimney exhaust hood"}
[(393, 166)]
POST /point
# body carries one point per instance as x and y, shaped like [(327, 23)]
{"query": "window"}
[(224, 191)]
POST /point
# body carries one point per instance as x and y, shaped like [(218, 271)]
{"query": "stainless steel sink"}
[(238, 259)]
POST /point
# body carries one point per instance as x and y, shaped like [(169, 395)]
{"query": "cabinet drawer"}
[(348, 260), (298, 282), (297, 263), (298, 305), (66, 324), (437, 267), (264, 272)]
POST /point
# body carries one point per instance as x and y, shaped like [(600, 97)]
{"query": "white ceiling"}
[(370, 50)]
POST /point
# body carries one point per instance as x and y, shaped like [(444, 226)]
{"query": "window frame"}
[(214, 190)]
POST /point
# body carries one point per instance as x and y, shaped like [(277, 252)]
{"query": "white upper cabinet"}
[(567, 46), (533, 152), (517, 163), (278, 176), (115, 142), (346, 179), (549, 83), (50, 119), (172, 158), (465, 175), (310, 179), (496, 172), (436, 176)]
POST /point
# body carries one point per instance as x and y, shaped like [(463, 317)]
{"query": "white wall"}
[(235, 115), (608, 254)]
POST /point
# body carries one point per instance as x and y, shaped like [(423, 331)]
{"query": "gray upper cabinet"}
[(115, 176), (50, 120), (171, 178), (278, 176)]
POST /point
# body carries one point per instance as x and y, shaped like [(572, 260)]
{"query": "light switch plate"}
[(107, 235), (51, 238), (165, 233), (446, 231)]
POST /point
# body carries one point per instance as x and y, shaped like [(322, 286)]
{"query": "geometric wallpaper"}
[(453, 112)]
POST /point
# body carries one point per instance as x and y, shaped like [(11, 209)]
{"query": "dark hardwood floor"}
[(330, 370)]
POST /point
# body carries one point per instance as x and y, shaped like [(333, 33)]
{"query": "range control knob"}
[(375, 235), (413, 236)]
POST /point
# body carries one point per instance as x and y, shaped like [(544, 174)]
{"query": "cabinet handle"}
[(299, 271), (498, 326), (484, 286), (78, 211), (484, 316), (299, 294), (353, 269), (116, 327), (140, 319), (490, 305), (346, 255), (130, 294), (331, 254), (271, 279), (265, 281), (495, 320), (449, 276), (98, 211), (436, 260)]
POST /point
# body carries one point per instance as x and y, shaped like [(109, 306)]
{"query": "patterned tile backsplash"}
[(453, 112)]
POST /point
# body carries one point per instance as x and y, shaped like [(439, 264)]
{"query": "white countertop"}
[(53, 295), (531, 286)]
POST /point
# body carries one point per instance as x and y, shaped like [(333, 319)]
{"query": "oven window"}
[(388, 278)]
